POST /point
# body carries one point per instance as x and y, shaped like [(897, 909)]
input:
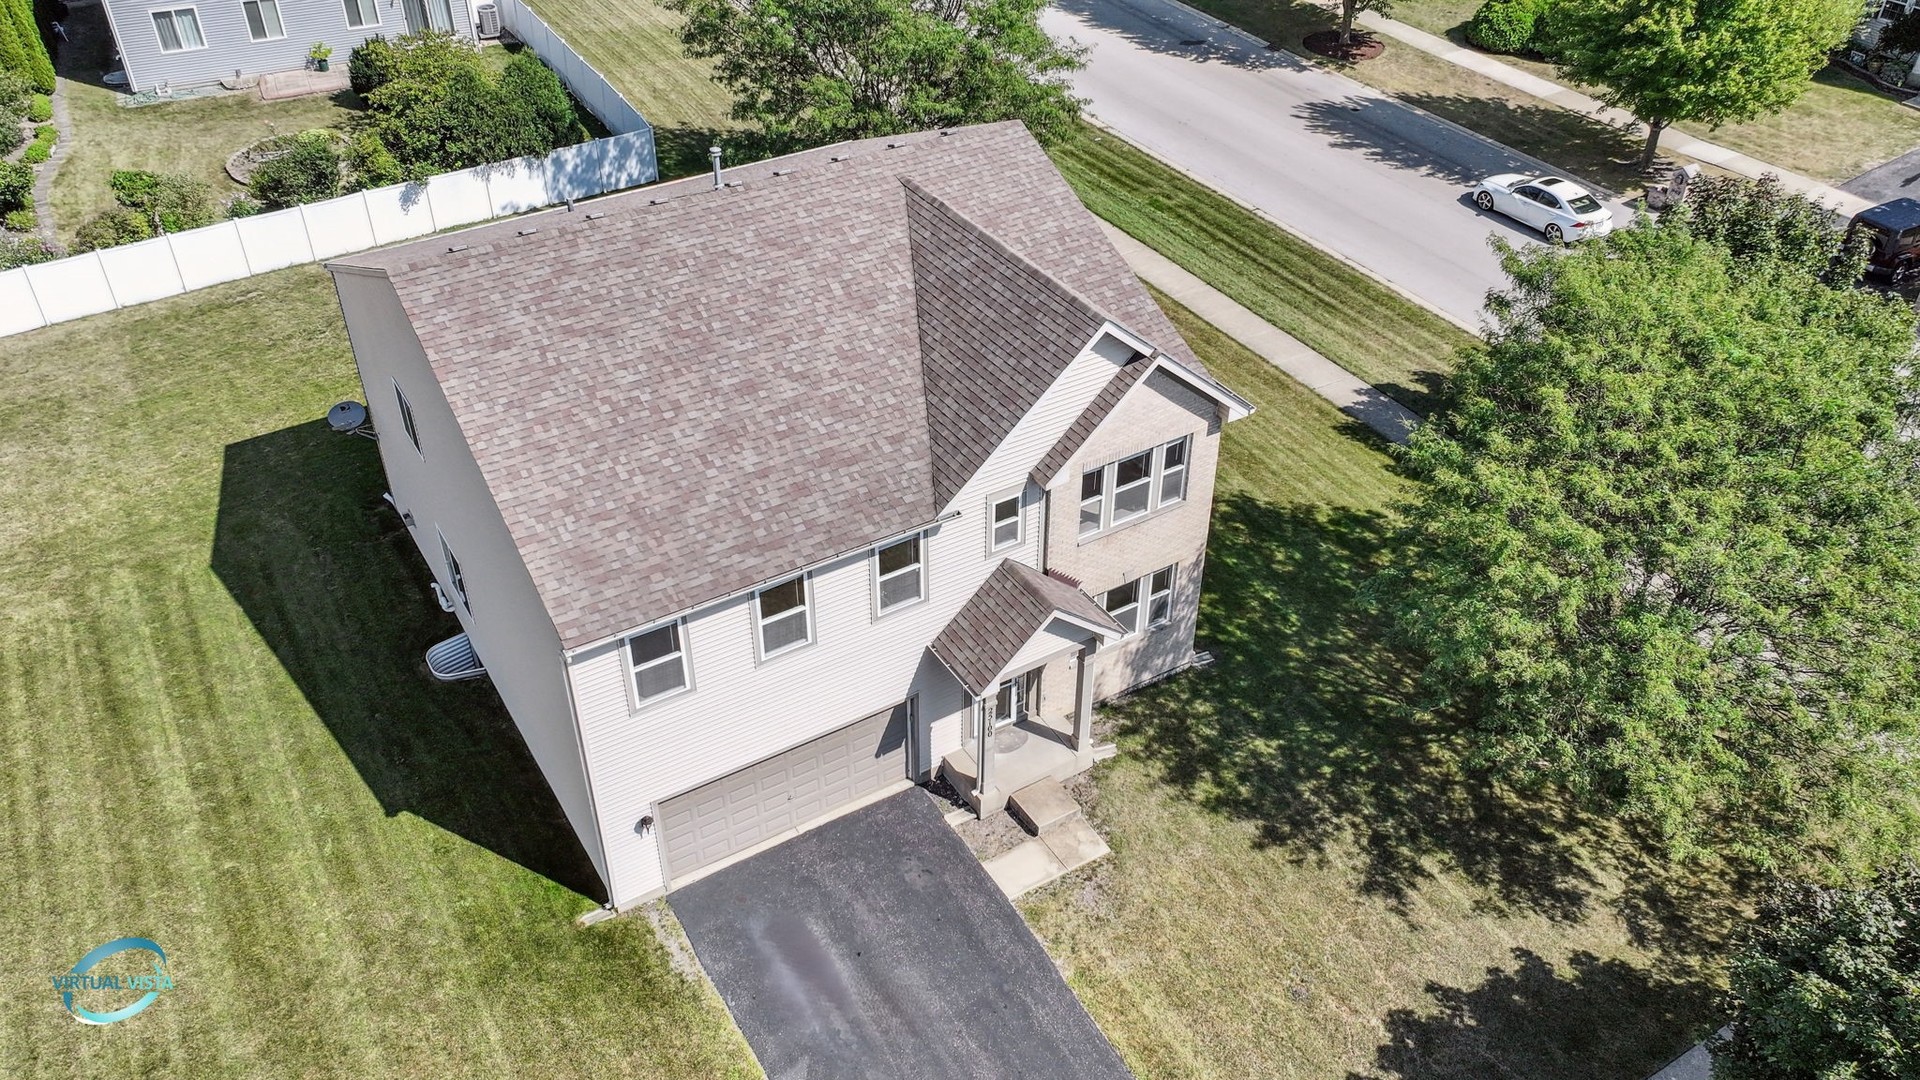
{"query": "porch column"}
[(1083, 702), (983, 747)]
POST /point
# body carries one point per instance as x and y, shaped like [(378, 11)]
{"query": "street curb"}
[(1402, 291)]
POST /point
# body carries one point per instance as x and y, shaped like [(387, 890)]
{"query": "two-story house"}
[(186, 43), (762, 494)]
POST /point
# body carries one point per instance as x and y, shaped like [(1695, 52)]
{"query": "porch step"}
[(1043, 806), (1046, 858)]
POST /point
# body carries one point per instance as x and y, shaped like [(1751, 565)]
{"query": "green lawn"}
[(194, 136), (1840, 128), (218, 735), (636, 45), (1339, 311), (1303, 883)]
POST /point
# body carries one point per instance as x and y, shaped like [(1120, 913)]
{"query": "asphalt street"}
[(1374, 180)]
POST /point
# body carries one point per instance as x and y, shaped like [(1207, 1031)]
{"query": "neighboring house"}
[(174, 45), (760, 500)]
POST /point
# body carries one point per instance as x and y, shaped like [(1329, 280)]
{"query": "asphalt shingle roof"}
[(676, 393), (1013, 604)]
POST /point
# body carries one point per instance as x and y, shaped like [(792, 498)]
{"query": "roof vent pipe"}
[(714, 153)]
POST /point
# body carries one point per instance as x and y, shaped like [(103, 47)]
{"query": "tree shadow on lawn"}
[(1597, 1020), (329, 576), (1303, 726)]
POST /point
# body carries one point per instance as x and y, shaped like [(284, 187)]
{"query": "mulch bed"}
[(1327, 43)]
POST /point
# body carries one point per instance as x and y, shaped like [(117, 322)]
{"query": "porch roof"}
[(1015, 603)]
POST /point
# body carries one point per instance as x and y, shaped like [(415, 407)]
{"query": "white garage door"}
[(740, 810)]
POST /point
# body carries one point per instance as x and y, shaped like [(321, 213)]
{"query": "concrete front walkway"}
[(1348, 392), (1678, 142)]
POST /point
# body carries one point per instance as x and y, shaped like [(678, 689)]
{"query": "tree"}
[(1762, 220), (1665, 545), (812, 72), (1351, 9), (308, 171), (1712, 61), (22, 50), (1826, 984)]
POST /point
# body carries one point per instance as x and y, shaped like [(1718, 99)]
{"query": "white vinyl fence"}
[(81, 285), (587, 84)]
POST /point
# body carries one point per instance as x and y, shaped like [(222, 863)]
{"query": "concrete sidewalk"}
[(1678, 142), (1348, 392)]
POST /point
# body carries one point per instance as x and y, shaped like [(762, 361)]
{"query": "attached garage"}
[(811, 780)]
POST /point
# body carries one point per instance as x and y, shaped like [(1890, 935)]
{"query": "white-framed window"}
[(178, 29), (1005, 522), (784, 616), (406, 417), (455, 578), (900, 574), (1134, 486), (1160, 597), (658, 659), (362, 13), (263, 19), (1173, 472), (1123, 603)]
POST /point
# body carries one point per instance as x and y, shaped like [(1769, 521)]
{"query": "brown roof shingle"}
[(676, 393), (1013, 604)]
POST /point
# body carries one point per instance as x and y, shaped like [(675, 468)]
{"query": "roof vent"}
[(451, 248), (528, 232), (838, 157), (714, 153), (596, 215), (781, 172)]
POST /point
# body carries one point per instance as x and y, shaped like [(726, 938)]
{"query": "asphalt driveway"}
[(876, 946), (1337, 162)]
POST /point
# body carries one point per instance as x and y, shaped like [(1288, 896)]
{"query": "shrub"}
[(21, 47), (533, 85), (42, 148), (308, 172), (16, 186), (1823, 984), (15, 89), (11, 136), (23, 220), (16, 251), (430, 56), (371, 163), (113, 228), (169, 202), (40, 108), (243, 206), (1507, 26)]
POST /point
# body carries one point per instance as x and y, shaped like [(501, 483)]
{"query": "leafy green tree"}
[(22, 50), (1761, 219), (1351, 9), (1665, 546), (427, 56), (1826, 985), (1711, 61), (812, 72), (536, 90)]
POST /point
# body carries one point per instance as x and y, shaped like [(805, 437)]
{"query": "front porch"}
[(1022, 750)]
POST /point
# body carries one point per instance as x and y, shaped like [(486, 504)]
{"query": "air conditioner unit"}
[(487, 17)]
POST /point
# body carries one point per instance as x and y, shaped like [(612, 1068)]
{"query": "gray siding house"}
[(189, 43), (763, 499)]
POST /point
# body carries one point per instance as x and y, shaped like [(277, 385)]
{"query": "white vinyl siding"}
[(899, 574), (1124, 491), (178, 29), (263, 20), (741, 710), (785, 616), (659, 660), (362, 13)]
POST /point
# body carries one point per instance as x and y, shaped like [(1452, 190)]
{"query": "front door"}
[(1015, 697)]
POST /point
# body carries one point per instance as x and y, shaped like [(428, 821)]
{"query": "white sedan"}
[(1561, 209)]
